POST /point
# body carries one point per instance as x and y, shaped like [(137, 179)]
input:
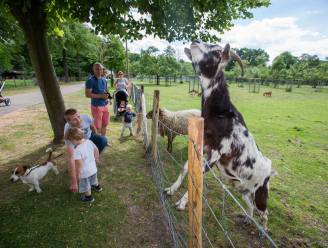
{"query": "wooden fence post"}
[(140, 111), (154, 128), (195, 180)]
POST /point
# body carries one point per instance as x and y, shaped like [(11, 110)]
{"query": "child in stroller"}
[(4, 100), (122, 107), (120, 102)]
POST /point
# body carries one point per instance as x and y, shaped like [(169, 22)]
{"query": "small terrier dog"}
[(32, 176)]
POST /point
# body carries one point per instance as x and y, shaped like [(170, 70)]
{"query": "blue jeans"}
[(99, 140)]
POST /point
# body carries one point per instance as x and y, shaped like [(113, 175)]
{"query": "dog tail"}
[(49, 150)]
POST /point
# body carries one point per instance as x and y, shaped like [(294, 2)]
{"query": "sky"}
[(298, 26)]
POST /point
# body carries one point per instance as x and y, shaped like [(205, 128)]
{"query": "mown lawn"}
[(125, 214), (291, 128)]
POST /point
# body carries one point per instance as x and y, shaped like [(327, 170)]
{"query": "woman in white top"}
[(121, 83)]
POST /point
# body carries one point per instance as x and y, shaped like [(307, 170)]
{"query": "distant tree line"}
[(285, 66), (152, 62)]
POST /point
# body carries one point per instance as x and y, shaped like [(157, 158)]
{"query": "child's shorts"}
[(86, 183)]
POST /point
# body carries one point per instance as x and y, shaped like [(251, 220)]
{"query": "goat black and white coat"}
[(228, 144)]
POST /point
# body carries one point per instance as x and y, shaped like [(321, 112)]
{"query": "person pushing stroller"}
[(121, 95)]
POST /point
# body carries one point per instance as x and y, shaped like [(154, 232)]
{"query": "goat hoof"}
[(179, 207), (168, 191)]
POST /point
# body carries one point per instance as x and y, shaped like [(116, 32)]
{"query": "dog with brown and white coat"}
[(33, 175)]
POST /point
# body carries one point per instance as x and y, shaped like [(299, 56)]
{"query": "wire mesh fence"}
[(223, 220)]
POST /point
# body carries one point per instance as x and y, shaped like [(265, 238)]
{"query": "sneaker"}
[(97, 188), (85, 198)]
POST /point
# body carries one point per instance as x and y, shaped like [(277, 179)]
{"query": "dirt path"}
[(20, 101)]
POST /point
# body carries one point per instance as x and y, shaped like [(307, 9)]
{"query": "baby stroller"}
[(120, 102), (4, 100)]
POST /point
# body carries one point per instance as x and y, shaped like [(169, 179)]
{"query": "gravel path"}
[(20, 101)]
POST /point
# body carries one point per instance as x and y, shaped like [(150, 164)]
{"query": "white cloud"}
[(277, 35), (274, 35)]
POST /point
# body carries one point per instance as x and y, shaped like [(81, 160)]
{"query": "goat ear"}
[(225, 57), (188, 53), (226, 54)]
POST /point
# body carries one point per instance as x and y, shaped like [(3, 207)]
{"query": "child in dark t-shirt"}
[(128, 120)]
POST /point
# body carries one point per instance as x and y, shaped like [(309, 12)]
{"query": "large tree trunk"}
[(65, 65), (33, 21)]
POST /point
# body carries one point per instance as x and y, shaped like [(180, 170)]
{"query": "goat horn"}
[(235, 56)]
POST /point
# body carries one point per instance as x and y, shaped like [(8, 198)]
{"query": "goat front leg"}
[(248, 200), (171, 190), (181, 204), (169, 144), (264, 219), (170, 138)]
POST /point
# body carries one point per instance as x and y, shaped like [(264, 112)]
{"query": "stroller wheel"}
[(7, 101)]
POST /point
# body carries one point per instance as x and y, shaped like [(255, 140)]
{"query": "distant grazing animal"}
[(177, 121), (32, 176), (268, 93), (228, 144), (195, 93)]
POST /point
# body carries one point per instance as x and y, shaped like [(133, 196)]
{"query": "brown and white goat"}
[(227, 142), (172, 123)]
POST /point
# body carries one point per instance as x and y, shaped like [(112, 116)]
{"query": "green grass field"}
[(290, 128)]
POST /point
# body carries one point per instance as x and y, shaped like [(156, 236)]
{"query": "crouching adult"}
[(84, 122)]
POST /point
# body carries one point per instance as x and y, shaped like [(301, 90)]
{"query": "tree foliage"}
[(170, 20), (12, 44)]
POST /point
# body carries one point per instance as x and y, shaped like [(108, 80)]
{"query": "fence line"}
[(192, 80), (162, 163)]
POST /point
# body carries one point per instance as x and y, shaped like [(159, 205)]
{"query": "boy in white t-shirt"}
[(86, 156)]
